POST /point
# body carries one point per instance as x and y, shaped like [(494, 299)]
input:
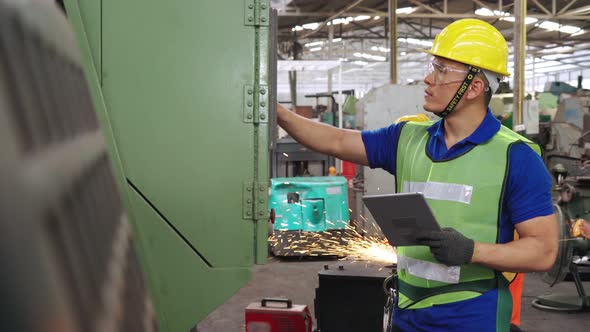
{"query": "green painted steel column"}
[(183, 98)]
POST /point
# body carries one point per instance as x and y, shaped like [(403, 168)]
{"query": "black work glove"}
[(448, 246)]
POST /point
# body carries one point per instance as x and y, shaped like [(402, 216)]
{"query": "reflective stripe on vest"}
[(453, 192), (464, 193)]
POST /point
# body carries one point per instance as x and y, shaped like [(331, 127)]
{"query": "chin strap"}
[(460, 92)]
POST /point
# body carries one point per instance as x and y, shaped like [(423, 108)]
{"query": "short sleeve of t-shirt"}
[(381, 146), (528, 191)]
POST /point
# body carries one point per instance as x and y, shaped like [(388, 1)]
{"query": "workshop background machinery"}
[(67, 250), (307, 211), (188, 122), (330, 116), (291, 159), (573, 195), (379, 108), (566, 144)]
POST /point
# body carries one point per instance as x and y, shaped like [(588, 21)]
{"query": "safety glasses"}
[(442, 74)]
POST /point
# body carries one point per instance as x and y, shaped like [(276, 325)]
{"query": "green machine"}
[(186, 114)]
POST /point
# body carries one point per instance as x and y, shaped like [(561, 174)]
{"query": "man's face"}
[(443, 78)]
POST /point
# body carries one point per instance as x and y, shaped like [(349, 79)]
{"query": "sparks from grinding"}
[(347, 242)]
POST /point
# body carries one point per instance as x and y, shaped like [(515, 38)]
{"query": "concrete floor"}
[(297, 280)]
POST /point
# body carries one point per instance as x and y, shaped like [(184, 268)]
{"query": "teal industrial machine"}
[(307, 211), (184, 94)]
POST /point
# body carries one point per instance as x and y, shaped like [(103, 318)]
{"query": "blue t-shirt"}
[(527, 195)]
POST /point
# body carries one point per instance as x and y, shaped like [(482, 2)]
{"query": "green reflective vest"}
[(465, 193)]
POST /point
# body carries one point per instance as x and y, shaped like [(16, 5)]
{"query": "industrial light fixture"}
[(548, 25), (340, 20), (369, 56), (414, 41), (315, 49), (405, 10), (487, 12), (380, 49), (554, 26), (311, 26), (569, 29), (527, 20), (504, 16), (316, 43), (559, 49), (582, 31), (346, 20)]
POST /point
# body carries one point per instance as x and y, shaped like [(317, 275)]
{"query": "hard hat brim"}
[(423, 50)]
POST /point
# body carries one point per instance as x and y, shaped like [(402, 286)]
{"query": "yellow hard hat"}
[(414, 118), (332, 170), (473, 42)]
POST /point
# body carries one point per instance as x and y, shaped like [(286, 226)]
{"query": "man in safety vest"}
[(481, 180)]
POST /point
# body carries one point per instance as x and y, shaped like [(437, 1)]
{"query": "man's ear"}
[(476, 88)]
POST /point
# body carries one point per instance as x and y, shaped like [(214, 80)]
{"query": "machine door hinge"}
[(256, 97), (255, 200), (256, 12)]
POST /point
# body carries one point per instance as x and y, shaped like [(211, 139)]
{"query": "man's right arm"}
[(343, 144)]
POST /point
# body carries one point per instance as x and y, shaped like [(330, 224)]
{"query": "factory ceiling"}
[(558, 31)]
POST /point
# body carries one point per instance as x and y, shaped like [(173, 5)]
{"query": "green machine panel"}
[(182, 91)]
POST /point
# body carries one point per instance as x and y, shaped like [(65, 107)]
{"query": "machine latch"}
[(263, 103), (256, 12), (249, 103), (253, 96), (254, 200), (261, 203)]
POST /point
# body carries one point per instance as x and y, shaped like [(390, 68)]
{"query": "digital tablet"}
[(401, 216)]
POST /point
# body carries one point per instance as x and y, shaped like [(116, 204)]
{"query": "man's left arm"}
[(535, 250), (530, 208), (529, 205)]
